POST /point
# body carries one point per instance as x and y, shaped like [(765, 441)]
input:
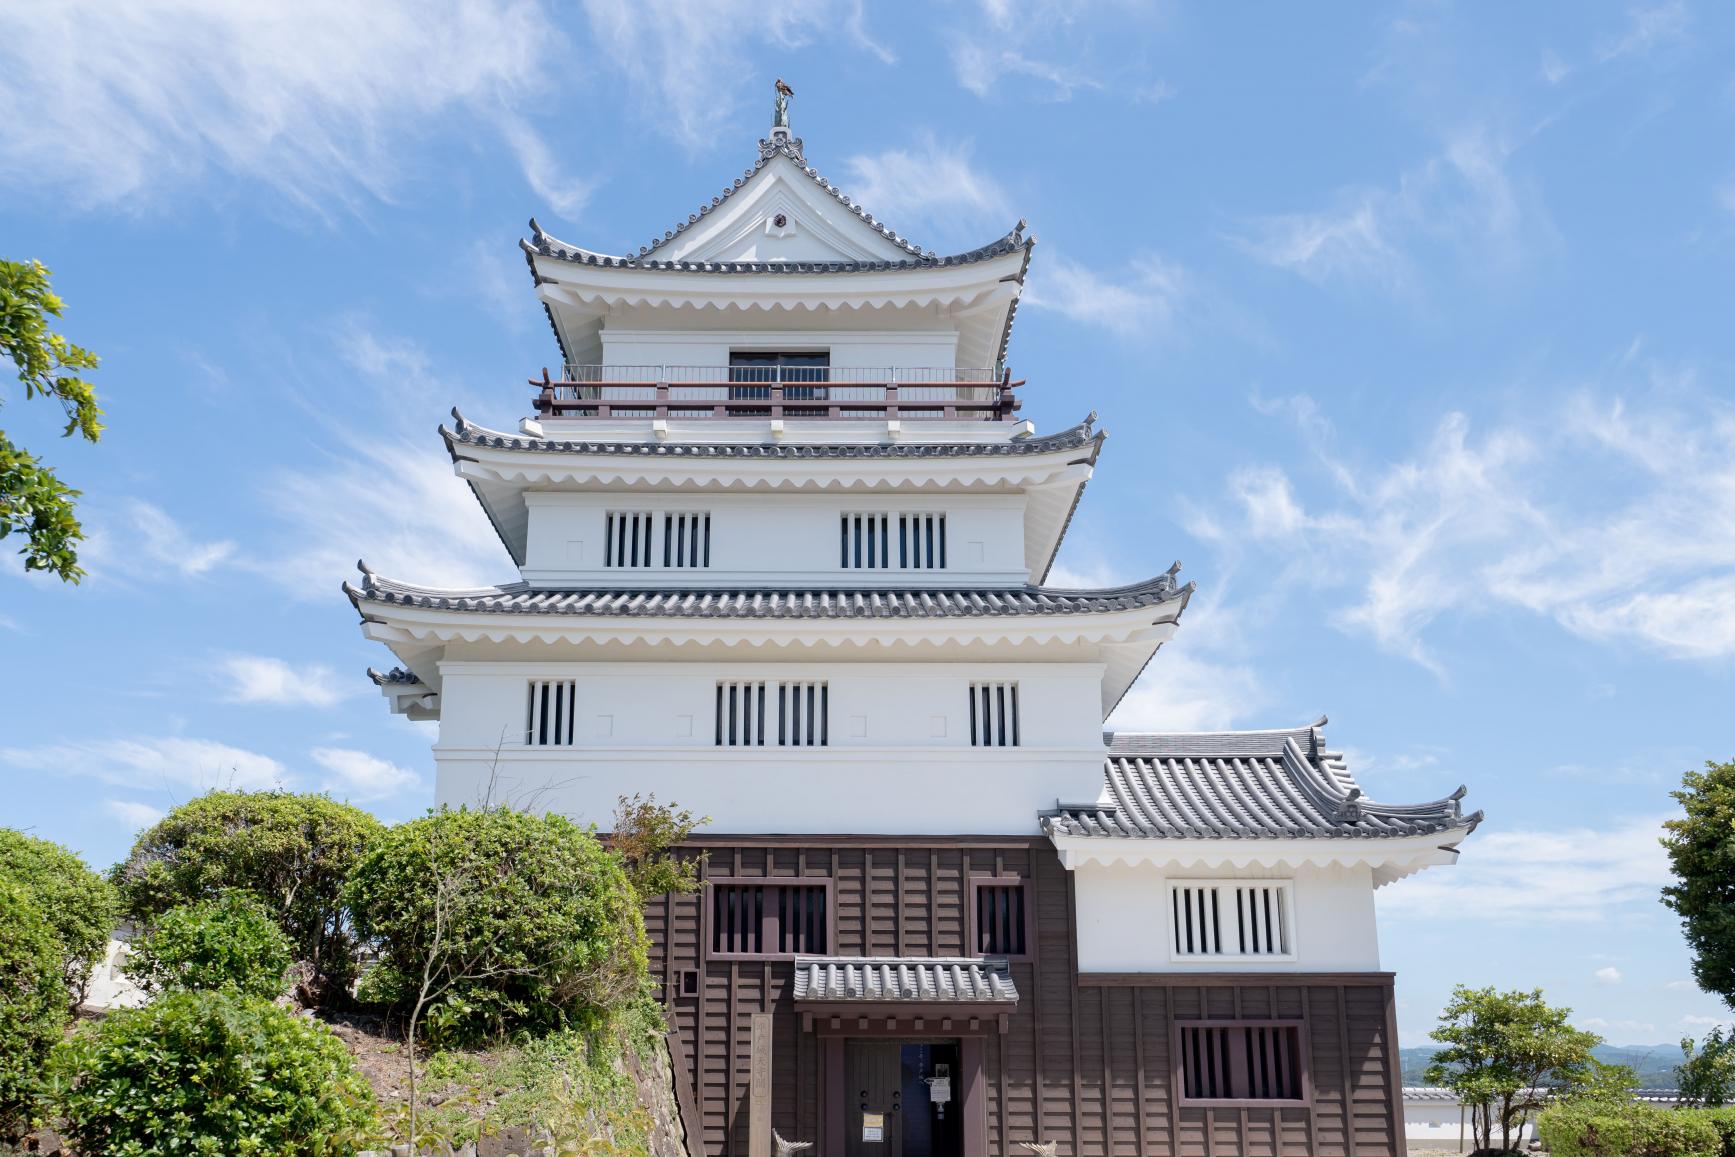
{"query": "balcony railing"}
[(798, 392)]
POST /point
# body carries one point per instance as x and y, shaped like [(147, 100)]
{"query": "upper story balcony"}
[(774, 391)]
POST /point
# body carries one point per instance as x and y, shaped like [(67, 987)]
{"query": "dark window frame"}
[(1302, 1058), (707, 904), (1027, 895)]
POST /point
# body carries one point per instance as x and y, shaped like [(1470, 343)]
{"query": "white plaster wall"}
[(899, 761), (1436, 1125), (1124, 921), (711, 347), (780, 538)]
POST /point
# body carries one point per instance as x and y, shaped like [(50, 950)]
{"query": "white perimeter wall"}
[(789, 538), (899, 762), (1124, 921)]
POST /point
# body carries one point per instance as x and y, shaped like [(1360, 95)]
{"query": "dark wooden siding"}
[(1086, 1060)]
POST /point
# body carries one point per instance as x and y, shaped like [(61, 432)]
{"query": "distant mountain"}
[(1655, 1064)]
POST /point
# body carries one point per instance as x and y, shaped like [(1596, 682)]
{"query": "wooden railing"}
[(841, 393)]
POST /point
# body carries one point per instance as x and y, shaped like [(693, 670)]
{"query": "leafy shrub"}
[(1592, 1129), (33, 1010), (230, 942), (291, 851), (210, 1073), (80, 906), (498, 920)]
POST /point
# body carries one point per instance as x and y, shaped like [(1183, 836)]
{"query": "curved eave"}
[(1389, 859)]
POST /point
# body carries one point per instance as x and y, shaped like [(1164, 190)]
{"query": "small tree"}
[(292, 852), (646, 837), (1701, 848), (79, 905), (33, 500), (1501, 1048), (1706, 1075), (494, 920)]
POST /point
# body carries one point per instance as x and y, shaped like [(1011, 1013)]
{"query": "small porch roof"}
[(914, 980)]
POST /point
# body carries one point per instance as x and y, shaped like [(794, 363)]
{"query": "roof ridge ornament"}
[(780, 139)]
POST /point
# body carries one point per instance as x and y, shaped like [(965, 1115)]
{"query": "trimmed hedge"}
[(1602, 1129), (33, 1011), (291, 851), (79, 905), (528, 921), (228, 943), (211, 1073)]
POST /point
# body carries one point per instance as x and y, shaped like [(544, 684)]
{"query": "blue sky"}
[(1410, 326)]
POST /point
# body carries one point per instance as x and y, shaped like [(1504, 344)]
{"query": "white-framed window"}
[(1248, 919), (994, 715), (549, 714), (773, 713), (674, 539), (882, 540)]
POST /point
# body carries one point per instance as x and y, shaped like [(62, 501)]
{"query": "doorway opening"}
[(902, 1098)]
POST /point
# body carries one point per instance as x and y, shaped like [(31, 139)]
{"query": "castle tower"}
[(783, 540)]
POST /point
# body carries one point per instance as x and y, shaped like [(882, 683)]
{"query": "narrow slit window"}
[(670, 539), (549, 714), (765, 919), (1240, 1061), (754, 713), (994, 715), (1230, 918), (1000, 918), (884, 541)]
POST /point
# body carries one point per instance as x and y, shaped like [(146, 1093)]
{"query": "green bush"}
[(210, 1073), (291, 851), (230, 942), (1635, 1130), (80, 906), (520, 921), (33, 1012)]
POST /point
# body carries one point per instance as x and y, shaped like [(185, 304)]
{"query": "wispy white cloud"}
[(358, 776), (1608, 974), (154, 761), (980, 67), (1694, 1020), (1462, 198), (1641, 548), (690, 64), (111, 104), (261, 679), (132, 813), (1576, 876), (378, 495), (1143, 299), (1052, 50), (140, 541), (932, 183), (1185, 691), (1649, 27)]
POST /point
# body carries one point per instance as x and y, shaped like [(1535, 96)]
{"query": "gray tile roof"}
[(791, 148), (899, 979), (1244, 785), (1447, 1096), (1083, 436), (757, 603)]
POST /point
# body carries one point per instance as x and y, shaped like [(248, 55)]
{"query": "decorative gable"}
[(783, 211)]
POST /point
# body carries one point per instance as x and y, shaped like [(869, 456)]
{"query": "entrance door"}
[(901, 1099)]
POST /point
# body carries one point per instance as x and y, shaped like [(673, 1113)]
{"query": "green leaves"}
[(1701, 847), (79, 905), (1706, 1074), (33, 501), (1500, 1047), (511, 920), (210, 1073), (230, 943), (292, 852), (33, 1010)]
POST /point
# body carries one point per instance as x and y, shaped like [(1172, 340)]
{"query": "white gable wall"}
[(1124, 921)]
